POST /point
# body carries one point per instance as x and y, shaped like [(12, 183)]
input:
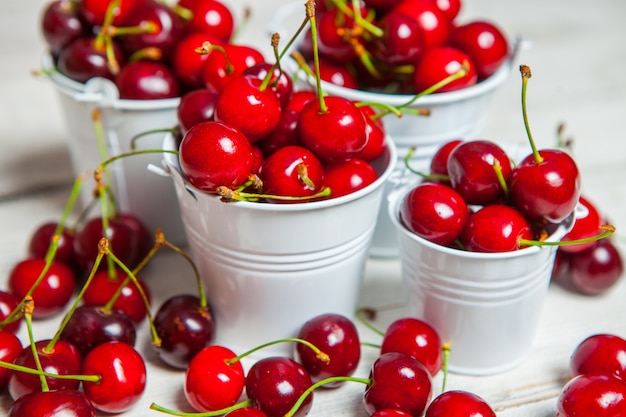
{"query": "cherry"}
[(450, 8), (586, 225), (592, 395), (122, 374), (62, 358), (10, 349), (439, 62), (140, 231), (66, 403), (213, 380), (439, 161), (390, 412), (242, 96), (95, 11), (337, 74), (398, 381), (333, 128), (226, 63), (381, 6), (210, 16), (86, 58), (336, 35), (472, 172), (402, 41), (280, 81), (600, 353), (545, 186), (92, 325), (184, 327), (246, 412), (292, 171), (147, 80), (415, 338), (274, 384), (51, 294), (214, 154), (187, 63), (376, 136), (495, 228), (61, 23), (167, 29), (195, 106), (596, 269), (8, 303), (41, 240), (337, 337), (459, 403), (484, 43), (346, 177), (434, 212), (103, 286), (433, 23)]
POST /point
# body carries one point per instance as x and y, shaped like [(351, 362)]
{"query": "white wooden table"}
[(578, 60)]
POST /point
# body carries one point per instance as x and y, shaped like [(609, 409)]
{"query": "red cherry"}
[(40, 241), (438, 63), (242, 96), (450, 8), (336, 74), (275, 383), (375, 132), (95, 11), (402, 41), (67, 403), (459, 404), (596, 269), (214, 154), (433, 23), (346, 177), (210, 16), (495, 228), (102, 288), (331, 25), (472, 172), (390, 412), (439, 161), (52, 294), (281, 82), (187, 63), (434, 212), (548, 189), (212, 380), (484, 43), (592, 395), (398, 381), (123, 377), (147, 80), (86, 58), (336, 133), (600, 353), (61, 23), (194, 107), (8, 303), (415, 338), (587, 224), (10, 349), (336, 336), (221, 66)]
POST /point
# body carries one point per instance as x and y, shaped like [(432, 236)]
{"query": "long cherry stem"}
[(526, 74)]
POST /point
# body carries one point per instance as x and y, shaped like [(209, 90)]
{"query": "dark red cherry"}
[(214, 154), (398, 381), (337, 74), (457, 403), (381, 6), (195, 106), (346, 177), (8, 303), (41, 240), (184, 327), (335, 33), (440, 62), (86, 58), (61, 23), (592, 395), (600, 353), (415, 338), (596, 269), (92, 325), (95, 11), (210, 16), (10, 349), (336, 336), (275, 383), (122, 373), (495, 228), (66, 403), (52, 294), (402, 41), (435, 212), (147, 80)]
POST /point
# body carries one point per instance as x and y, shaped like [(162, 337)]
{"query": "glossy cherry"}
[(459, 403), (435, 212), (10, 349), (66, 403), (336, 36), (187, 63), (472, 171), (433, 23), (95, 11), (147, 80), (346, 177), (398, 381), (275, 384), (596, 269), (52, 294), (195, 106), (214, 154), (8, 303), (280, 81), (210, 16), (415, 338), (587, 224), (402, 41), (376, 135), (495, 228), (92, 325), (122, 374), (450, 8), (484, 43), (40, 242), (86, 58), (336, 336), (184, 327), (337, 74), (246, 412), (214, 379), (390, 412), (601, 353), (228, 62), (438, 63), (439, 161), (61, 23), (592, 395)]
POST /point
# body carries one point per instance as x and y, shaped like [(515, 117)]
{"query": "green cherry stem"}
[(606, 231), (433, 88), (26, 370), (229, 195), (310, 13), (27, 309), (407, 164), (365, 315), (446, 361), (526, 74), (318, 353), (242, 404)]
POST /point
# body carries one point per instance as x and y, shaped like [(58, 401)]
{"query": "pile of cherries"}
[(146, 47), (403, 46)]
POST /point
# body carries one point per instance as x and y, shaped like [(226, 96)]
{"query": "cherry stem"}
[(388, 108), (133, 141), (27, 309), (606, 231), (207, 47), (446, 360), (26, 370), (292, 411), (318, 353), (242, 404), (144, 27), (433, 88), (356, 15), (229, 195), (310, 12), (407, 164), (501, 180), (365, 315), (247, 13), (526, 74)]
